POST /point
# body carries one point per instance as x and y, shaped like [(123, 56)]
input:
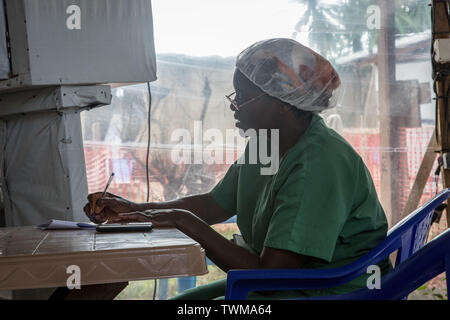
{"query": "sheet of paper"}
[(61, 224)]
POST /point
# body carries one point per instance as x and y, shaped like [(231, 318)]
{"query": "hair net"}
[(291, 72)]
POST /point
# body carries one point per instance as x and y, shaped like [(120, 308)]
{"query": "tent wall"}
[(43, 166), (58, 42)]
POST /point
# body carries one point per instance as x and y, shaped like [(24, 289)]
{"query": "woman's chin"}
[(242, 128), (240, 125)]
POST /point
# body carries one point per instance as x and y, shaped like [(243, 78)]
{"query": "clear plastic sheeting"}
[(189, 95), (195, 71), (33, 258), (291, 72), (191, 88)]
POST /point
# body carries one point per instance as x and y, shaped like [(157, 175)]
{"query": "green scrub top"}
[(321, 203)]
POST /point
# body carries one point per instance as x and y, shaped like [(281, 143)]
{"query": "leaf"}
[(422, 287)]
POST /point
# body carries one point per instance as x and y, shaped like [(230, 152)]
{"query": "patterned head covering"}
[(291, 72)]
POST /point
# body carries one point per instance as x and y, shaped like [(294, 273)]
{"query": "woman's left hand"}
[(165, 218)]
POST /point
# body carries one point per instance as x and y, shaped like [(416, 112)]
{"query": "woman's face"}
[(261, 113)]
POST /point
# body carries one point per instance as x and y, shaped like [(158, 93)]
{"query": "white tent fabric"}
[(56, 42), (43, 167)]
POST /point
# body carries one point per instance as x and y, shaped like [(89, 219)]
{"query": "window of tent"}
[(197, 42)]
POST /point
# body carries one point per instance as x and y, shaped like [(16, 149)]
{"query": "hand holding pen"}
[(105, 206)]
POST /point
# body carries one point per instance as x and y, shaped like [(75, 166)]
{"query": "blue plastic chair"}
[(422, 266), (407, 236)]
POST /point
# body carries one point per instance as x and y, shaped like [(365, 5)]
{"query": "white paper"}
[(61, 224)]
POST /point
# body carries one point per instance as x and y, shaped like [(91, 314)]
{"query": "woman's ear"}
[(285, 108)]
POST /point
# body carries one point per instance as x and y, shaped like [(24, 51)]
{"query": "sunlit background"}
[(197, 42)]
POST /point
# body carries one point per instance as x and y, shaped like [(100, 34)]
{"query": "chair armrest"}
[(242, 281)]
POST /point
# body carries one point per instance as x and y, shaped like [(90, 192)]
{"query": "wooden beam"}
[(441, 30), (421, 178), (389, 134)]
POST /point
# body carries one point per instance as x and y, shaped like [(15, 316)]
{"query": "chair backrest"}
[(407, 236), (412, 231), (422, 266)]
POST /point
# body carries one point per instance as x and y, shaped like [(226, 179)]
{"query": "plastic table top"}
[(34, 258)]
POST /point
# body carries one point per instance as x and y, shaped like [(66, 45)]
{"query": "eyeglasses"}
[(234, 103)]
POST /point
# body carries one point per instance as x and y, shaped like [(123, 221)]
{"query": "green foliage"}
[(336, 28), (412, 16), (431, 291)]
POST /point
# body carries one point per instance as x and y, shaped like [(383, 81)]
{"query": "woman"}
[(318, 210)]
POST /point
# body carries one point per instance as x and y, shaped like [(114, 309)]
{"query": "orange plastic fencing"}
[(128, 164)]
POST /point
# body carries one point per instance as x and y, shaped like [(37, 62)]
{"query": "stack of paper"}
[(60, 224)]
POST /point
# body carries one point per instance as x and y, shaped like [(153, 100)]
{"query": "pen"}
[(104, 191), (107, 185)]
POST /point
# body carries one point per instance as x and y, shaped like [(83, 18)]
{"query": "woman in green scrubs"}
[(319, 209)]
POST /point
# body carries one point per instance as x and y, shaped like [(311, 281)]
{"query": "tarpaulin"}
[(43, 166)]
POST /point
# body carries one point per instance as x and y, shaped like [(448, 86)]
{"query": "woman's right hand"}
[(99, 209)]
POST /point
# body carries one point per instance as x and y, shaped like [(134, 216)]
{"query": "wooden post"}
[(441, 74), (389, 134), (421, 178)]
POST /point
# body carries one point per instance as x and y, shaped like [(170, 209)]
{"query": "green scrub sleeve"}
[(310, 210), (225, 191)]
